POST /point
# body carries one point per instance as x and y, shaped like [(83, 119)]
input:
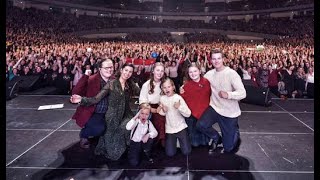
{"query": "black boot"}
[(148, 155)]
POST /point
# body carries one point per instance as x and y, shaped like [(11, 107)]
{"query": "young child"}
[(142, 135), (174, 108)]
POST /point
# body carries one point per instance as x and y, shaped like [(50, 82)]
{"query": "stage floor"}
[(277, 143)]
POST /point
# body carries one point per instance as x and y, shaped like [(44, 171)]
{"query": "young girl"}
[(142, 135), (150, 93), (196, 83), (174, 108)]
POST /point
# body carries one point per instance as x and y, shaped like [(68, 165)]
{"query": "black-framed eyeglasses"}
[(107, 68)]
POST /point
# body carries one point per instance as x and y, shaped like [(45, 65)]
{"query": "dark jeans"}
[(95, 126), (310, 90), (171, 143), (135, 149), (229, 128), (197, 138)]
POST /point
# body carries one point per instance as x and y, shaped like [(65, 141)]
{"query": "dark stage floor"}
[(277, 143)]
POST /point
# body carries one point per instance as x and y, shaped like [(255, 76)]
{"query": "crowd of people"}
[(191, 6), (58, 24), (102, 76)]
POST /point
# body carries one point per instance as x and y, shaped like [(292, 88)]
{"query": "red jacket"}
[(88, 86), (273, 78)]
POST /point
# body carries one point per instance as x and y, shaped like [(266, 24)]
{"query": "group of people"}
[(165, 118)]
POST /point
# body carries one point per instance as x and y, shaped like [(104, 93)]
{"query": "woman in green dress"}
[(116, 138)]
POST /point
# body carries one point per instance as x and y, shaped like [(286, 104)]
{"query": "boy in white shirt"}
[(142, 135)]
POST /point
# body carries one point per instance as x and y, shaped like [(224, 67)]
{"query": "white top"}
[(77, 77), (141, 130), (145, 97), (173, 70), (310, 78), (246, 75), (175, 121), (227, 80)]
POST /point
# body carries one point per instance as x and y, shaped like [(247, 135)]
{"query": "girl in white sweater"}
[(175, 109)]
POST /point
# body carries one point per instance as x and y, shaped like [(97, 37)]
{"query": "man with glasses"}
[(92, 118)]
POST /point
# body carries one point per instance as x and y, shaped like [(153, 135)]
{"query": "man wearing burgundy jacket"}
[(92, 118)]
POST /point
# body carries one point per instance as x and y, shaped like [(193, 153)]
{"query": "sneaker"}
[(214, 145), (84, 143)]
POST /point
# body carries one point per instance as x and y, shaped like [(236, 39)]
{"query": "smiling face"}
[(168, 87), (106, 69), (194, 73), (126, 72), (217, 61), (158, 72)]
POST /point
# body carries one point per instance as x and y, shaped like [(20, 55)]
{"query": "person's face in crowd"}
[(291, 68), (88, 67), (126, 72), (300, 70), (254, 69), (173, 63), (270, 67), (194, 73), (116, 65), (307, 64), (301, 64), (26, 69), (168, 87), (217, 61), (106, 69), (310, 70), (65, 70), (158, 72), (235, 67), (54, 67), (38, 69), (15, 71), (264, 66), (144, 114), (249, 70)]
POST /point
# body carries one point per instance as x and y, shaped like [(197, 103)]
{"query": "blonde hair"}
[(145, 106), (170, 81)]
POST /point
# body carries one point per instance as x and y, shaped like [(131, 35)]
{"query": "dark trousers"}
[(95, 126), (310, 90), (171, 143), (229, 128), (135, 149)]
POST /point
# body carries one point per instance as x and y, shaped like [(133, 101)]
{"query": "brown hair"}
[(192, 65), (151, 91), (216, 51)]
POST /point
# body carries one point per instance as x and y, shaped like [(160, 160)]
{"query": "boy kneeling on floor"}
[(142, 135)]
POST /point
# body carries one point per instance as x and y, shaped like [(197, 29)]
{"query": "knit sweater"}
[(229, 81), (175, 121), (197, 96)]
